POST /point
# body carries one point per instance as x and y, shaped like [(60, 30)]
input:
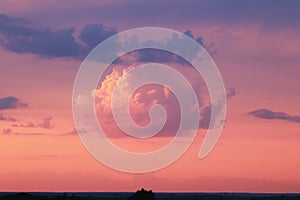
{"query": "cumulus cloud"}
[(11, 102), (142, 100), (103, 94), (139, 104), (271, 115)]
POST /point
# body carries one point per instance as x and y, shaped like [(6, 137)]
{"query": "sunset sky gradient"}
[(255, 44)]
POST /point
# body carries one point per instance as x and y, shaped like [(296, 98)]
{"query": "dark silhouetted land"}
[(146, 195)]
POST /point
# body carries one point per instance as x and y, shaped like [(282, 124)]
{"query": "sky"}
[(255, 45)]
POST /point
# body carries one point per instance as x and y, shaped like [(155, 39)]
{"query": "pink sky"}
[(257, 55)]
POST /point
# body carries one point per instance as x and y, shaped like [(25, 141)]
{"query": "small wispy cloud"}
[(271, 115), (45, 123), (11, 102), (231, 92), (4, 117), (6, 131)]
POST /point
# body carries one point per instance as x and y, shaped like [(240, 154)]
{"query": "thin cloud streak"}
[(272, 115)]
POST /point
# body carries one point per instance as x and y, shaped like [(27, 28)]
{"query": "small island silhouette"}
[(142, 195)]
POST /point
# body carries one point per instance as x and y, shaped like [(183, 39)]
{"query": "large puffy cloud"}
[(140, 103), (105, 91), (142, 100), (271, 115), (11, 102)]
